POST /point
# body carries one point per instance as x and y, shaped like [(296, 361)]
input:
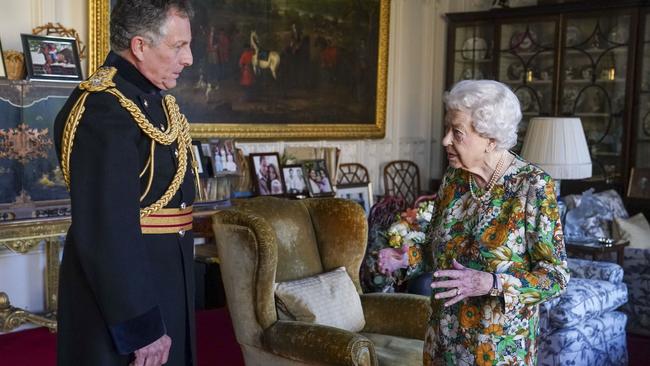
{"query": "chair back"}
[(293, 232), (402, 179), (352, 173)]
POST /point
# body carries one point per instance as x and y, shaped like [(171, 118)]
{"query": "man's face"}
[(163, 62)]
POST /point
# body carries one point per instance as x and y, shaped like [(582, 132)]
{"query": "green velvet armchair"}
[(266, 240)]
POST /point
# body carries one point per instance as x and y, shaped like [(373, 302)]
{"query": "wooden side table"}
[(596, 249)]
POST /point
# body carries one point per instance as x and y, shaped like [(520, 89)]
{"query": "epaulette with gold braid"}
[(178, 131), (100, 80)]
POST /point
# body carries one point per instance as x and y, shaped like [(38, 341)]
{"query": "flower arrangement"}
[(402, 251)]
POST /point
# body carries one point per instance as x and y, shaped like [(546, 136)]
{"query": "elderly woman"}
[(497, 241)]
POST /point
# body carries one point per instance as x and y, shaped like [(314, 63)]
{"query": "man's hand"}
[(154, 354)]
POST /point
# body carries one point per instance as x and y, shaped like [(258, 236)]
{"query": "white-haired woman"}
[(497, 241)]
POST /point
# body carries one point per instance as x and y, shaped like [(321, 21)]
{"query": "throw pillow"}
[(635, 229), (327, 299)]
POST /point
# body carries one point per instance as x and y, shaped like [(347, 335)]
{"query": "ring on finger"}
[(458, 291)]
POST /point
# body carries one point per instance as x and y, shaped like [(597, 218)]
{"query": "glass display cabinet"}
[(584, 59), (641, 156)]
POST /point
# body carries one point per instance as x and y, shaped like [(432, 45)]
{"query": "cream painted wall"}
[(414, 113)]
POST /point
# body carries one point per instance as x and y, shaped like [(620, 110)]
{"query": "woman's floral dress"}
[(513, 231)]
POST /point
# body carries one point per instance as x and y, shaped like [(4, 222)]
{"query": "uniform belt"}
[(167, 221)]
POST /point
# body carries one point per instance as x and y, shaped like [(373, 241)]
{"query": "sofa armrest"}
[(397, 314), (319, 344), (595, 270), (637, 260)]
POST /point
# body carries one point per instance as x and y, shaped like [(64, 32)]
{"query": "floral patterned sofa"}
[(636, 267), (637, 278), (583, 327)]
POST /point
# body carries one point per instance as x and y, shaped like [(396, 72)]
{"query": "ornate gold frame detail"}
[(22, 237), (98, 47)]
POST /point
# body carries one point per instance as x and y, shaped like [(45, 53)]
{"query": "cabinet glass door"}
[(527, 64), (642, 133), (593, 86), (473, 56)]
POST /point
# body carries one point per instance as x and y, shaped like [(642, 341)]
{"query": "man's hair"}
[(146, 18)]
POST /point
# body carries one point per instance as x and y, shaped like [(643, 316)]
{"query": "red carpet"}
[(216, 344), (639, 350)]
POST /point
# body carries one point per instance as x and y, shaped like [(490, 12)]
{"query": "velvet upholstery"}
[(266, 240)]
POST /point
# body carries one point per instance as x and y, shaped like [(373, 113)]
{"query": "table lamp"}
[(558, 145)]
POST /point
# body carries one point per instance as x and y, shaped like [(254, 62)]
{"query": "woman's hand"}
[(462, 283), (391, 259)]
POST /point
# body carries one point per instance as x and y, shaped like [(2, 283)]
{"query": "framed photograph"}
[(639, 186), (278, 69), (223, 156), (200, 159), (318, 179), (294, 180), (360, 193), (266, 174), (3, 69), (51, 58)]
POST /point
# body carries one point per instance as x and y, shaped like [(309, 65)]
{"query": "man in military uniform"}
[(126, 281)]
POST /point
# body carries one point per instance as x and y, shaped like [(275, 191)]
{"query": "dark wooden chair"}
[(402, 179), (352, 173)]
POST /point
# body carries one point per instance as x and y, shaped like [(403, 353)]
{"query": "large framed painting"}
[(278, 69)]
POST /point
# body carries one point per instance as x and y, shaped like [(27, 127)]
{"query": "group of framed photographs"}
[(216, 158), (49, 58), (270, 178)]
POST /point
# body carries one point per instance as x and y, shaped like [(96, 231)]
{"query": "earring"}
[(488, 148)]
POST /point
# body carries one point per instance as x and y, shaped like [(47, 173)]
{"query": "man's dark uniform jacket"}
[(121, 289)]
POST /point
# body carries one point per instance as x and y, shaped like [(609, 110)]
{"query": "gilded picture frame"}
[(344, 121)]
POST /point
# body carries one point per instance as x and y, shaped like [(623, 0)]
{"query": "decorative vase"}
[(15, 64)]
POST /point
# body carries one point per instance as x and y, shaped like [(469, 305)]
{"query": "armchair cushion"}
[(595, 270), (401, 315), (396, 351), (585, 299), (327, 299), (635, 229)]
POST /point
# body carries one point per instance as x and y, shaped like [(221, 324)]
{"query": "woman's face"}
[(272, 173), (464, 146)]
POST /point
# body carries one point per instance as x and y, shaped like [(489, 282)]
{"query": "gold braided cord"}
[(163, 138), (146, 167), (184, 140), (71, 124), (150, 165), (179, 130)]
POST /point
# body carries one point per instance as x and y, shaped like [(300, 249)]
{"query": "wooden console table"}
[(21, 237)]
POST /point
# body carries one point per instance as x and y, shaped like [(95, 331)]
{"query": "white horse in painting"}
[(272, 62)]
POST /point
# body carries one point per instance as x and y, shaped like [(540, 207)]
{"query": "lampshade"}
[(558, 145)]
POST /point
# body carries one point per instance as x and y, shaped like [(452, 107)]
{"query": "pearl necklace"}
[(493, 180)]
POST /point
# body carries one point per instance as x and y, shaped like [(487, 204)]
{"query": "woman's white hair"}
[(493, 107)]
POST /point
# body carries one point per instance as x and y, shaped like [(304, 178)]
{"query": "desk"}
[(23, 236), (596, 249)]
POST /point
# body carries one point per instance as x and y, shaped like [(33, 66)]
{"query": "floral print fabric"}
[(516, 233), (581, 327), (637, 278)]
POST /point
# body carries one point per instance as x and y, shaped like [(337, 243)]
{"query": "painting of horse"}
[(311, 61)]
